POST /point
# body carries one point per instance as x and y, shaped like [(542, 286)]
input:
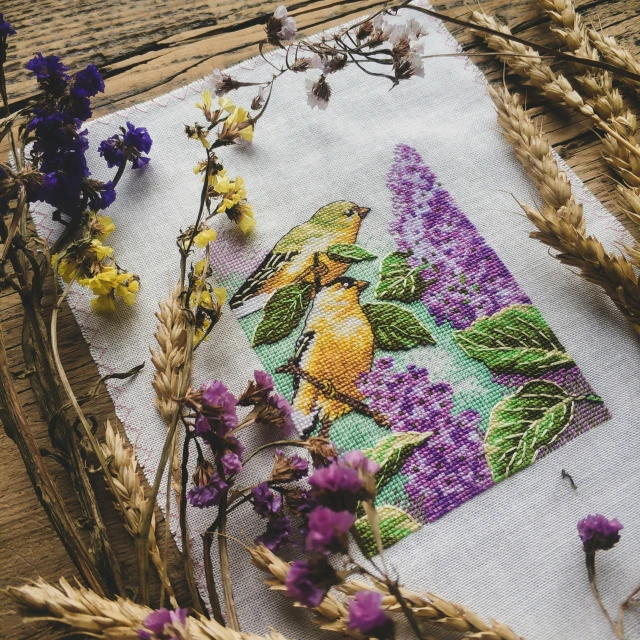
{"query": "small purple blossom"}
[(127, 146), (299, 465), (164, 624), (218, 412), (308, 582), (137, 138), (288, 28), (318, 93), (258, 390), (281, 404), (598, 532), (264, 380), (231, 463), (265, 501), (50, 72), (336, 479), (327, 529), (357, 460), (367, 616), (111, 151), (208, 495), (88, 82), (288, 468), (277, 534), (5, 28)]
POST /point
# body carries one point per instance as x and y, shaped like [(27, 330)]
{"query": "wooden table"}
[(145, 48)]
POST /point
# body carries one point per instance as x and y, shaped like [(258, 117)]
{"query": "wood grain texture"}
[(145, 48)]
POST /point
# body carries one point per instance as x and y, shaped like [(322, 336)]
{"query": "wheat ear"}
[(84, 612), (124, 469), (613, 53), (333, 615), (607, 101), (171, 335), (563, 227), (621, 150)]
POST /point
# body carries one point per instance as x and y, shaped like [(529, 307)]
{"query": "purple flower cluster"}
[(368, 618), (599, 533), (209, 494), (450, 467), (218, 410), (127, 146), (328, 530), (308, 582), (268, 504), (6, 29), (466, 278), (164, 624)]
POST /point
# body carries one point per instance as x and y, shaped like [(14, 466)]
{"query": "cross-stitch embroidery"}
[(430, 358)]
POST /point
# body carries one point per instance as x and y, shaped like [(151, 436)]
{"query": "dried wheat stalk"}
[(563, 227), (333, 615), (606, 101), (613, 53), (124, 469), (621, 150), (171, 335), (84, 612)]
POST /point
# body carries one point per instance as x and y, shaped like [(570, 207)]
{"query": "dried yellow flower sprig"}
[(84, 612), (614, 53), (563, 227), (332, 614), (123, 465)]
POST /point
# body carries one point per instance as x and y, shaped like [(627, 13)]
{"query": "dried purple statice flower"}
[(327, 530), (265, 502), (280, 27), (598, 532), (277, 534), (216, 409), (6, 29), (258, 389), (231, 463), (300, 501), (318, 93), (208, 486), (223, 82), (288, 468), (323, 452), (275, 412), (367, 617), (50, 72), (164, 624), (308, 582), (127, 146)]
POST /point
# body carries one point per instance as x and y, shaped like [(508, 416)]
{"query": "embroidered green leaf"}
[(522, 423), (282, 313), (398, 281), (514, 340), (349, 253), (392, 451), (395, 328), (395, 524)]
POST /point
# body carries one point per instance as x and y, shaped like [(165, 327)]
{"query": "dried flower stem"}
[(85, 612), (124, 468), (333, 615), (560, 221), (17, 428)]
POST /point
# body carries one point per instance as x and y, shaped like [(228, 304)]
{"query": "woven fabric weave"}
[(428, 160)]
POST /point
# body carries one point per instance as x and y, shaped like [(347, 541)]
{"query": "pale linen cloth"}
[(511, 553)]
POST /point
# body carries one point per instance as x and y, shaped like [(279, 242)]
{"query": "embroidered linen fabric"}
[(440, 328)]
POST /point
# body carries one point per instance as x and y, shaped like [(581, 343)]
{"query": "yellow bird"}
[(335, 348), (302, 253)]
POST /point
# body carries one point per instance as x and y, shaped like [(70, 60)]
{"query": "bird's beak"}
[(362, 211), (362, 284)]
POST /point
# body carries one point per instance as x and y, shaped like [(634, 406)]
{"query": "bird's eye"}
[(349, 212)]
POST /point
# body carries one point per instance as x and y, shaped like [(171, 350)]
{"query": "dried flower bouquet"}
[(313, 494)]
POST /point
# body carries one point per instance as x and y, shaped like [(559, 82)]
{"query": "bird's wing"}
[(273, 262), (302, 344)]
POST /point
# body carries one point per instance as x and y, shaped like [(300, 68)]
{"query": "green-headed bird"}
[(302, 253)]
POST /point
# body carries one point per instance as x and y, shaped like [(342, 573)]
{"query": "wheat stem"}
[(560, 221)]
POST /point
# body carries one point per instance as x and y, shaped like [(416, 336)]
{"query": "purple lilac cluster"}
[(450, 467), (467, 279)]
